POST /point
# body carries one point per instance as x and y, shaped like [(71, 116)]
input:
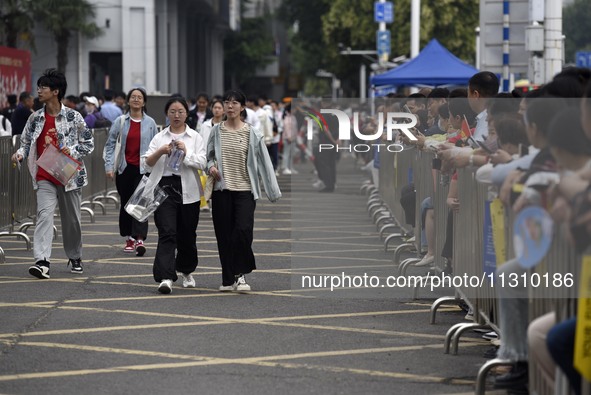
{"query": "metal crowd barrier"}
[(18, 200), (468, 246), (422, 177), (98, 184)]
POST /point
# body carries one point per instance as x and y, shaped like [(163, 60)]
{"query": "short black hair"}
[(176, 99), (511, 130), (443, 111), (439, 93), (566, 86), (11, 99), (503, 103), (24, 96), (108, 95), (485, 82), (541, 112), (237, 95), (566, 132), (461, 106), (54, 80), (458, 92)]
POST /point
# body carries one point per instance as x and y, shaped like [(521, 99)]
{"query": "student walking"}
[(178, 216), (65, 129), (237, 157), (132, 132)]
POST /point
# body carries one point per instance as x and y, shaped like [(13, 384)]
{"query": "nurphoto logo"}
[(391, 122)]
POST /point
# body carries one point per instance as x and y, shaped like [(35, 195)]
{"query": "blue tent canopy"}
[(435, 65)]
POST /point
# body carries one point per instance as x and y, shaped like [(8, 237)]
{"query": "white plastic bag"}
[(146, 199)]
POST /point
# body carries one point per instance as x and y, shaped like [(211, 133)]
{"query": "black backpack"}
[(101, 121)]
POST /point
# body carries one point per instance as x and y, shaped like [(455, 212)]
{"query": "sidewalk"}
[(110, 331)]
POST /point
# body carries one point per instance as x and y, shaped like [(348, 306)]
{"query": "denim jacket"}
[(148, 131), (72, 133), (258, 163)]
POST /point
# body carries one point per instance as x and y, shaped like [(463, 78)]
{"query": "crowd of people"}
[(534, 148), (531, 150), (212, 139)]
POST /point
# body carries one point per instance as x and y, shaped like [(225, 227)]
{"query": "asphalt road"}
[(108, 331)]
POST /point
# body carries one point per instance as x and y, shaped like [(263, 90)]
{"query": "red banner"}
[(15, 73)]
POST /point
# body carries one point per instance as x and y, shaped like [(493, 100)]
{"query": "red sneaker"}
[(129, 246)]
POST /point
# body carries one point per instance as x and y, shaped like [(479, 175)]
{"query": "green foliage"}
[(306, 47), (351, 24), (317, 87), (248, 49), (574, 19), (16, 22), (62, 19)]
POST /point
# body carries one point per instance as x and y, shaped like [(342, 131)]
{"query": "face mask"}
[(89, 109), (441, 124)]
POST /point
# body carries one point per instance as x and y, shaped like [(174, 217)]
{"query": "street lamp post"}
[(362, 69)]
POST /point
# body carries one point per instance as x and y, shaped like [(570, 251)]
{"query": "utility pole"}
[(415, 27), (553, 39)]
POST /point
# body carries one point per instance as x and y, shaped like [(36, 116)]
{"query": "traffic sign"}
[(383, 42), (384, 12), (583, 59)]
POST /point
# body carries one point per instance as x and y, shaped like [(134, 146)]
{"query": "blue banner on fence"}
[(489, 259)]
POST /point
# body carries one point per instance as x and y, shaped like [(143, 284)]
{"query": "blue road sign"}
[(383, 42), (384, 12), (583, 59)]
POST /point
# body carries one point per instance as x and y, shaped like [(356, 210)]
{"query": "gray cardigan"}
[(258, 163)]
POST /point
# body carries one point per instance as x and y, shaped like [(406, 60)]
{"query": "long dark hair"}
[(144, 94)]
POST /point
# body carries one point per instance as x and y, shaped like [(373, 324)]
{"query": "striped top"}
[(234, 153)]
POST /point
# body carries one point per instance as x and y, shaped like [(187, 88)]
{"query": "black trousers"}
[(448, 247), (177, 237), (126, 184), (233, 222), (326, 166)]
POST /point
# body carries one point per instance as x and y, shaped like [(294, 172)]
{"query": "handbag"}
[(209, 184), (118, 145)]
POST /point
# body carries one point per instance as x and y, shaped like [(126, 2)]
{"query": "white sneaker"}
[(294, 171), (241, 285), (165, 287), (188, 280), (226, 288), (287, 172), (319, 184), (426, 261), (492, 335)]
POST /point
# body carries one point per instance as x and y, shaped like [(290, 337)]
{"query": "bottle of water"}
[(176, 158)]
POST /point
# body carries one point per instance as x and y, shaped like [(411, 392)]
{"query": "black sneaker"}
[(76, 266), (40, 270)]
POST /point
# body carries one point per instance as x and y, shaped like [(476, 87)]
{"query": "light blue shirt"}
[(121, 125), (111, 111)]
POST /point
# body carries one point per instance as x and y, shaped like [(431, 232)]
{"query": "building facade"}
[(164, 46)]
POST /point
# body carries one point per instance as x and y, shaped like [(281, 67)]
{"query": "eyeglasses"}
[(233, 103), (136, 98), (40, 88), (174, 113)]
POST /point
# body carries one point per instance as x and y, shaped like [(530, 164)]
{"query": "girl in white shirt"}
[(178, 216)]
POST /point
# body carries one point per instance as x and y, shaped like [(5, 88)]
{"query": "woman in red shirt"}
[(134, 130)]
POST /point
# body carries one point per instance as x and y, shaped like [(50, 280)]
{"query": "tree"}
[(248, 49), (64, 18), (16, 22), (452, 22), (574, 18)]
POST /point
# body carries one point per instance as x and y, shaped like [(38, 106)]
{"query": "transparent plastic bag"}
[(61, 166), (146, 199)]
